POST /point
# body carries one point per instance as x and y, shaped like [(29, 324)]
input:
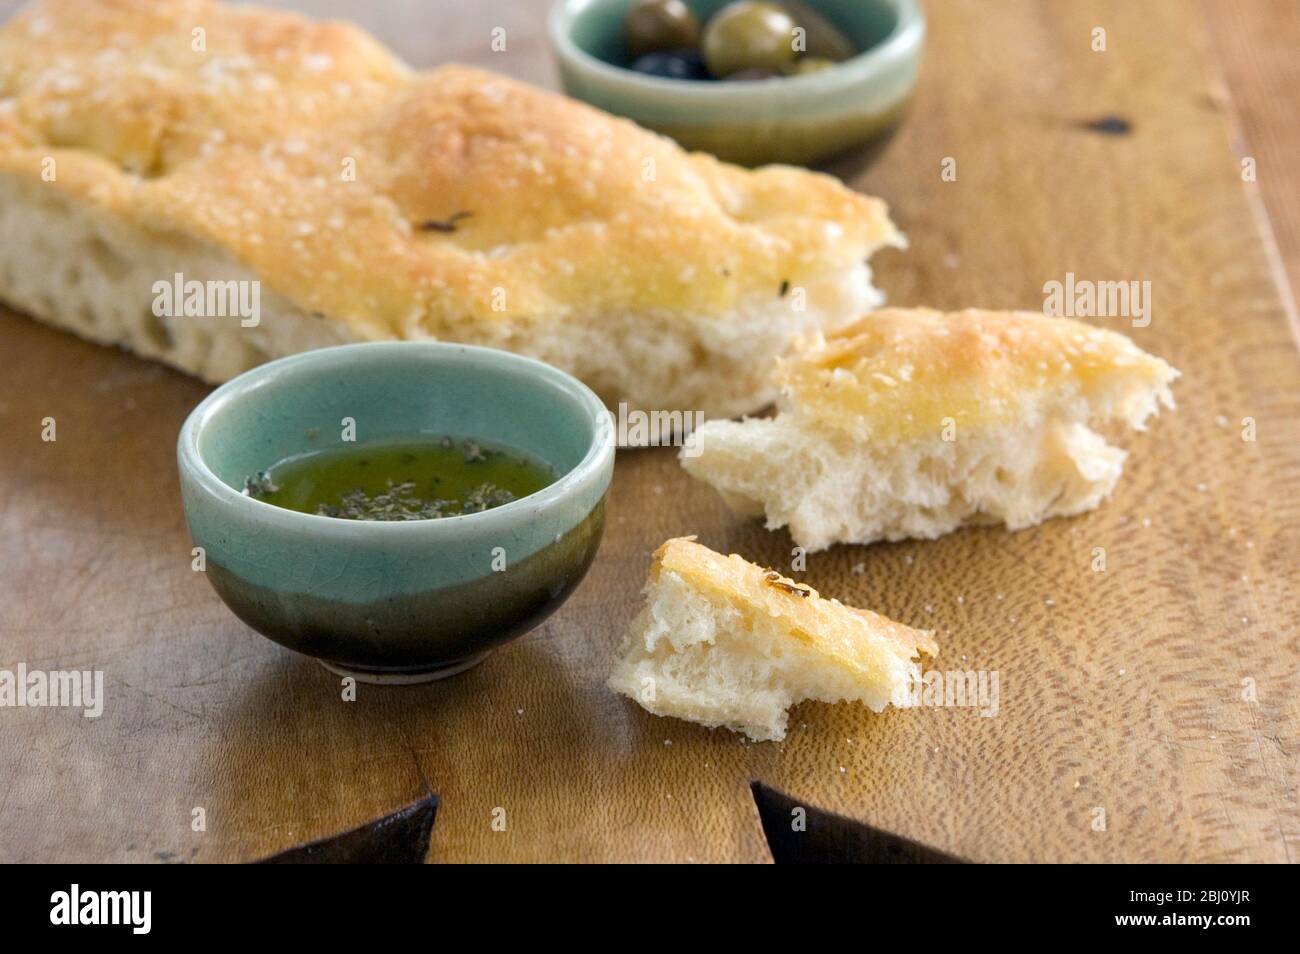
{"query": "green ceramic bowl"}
[(396, 602), (801, 120)]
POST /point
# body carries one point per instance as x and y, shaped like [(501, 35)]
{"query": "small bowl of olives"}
[(751, 81)]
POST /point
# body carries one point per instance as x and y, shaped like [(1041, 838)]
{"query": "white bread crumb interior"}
[(723, 642), (912, 423)]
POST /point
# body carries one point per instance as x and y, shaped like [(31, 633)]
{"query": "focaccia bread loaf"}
[(723, 642), (144, 138), (912, 422)]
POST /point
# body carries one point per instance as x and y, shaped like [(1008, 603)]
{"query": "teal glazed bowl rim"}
[(338, 357), (877, 60)]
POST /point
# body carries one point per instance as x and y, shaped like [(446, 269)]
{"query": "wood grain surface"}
[(1121, 692), (1256, 42)]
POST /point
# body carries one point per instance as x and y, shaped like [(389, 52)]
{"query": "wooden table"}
[(1121, 691)]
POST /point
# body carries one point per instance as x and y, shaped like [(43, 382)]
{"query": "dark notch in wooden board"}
[(826, 838), (401, 838)]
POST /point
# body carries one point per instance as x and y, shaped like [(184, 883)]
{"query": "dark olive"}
[(748, 34), (673, 64), (821, 38), (654, 25)]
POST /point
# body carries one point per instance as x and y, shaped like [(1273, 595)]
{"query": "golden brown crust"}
[(902, 372), (829, 626), (247, 143)]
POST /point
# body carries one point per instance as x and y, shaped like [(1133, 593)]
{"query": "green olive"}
[(808, 64), (654, 25), (748, 34), (821, 39)]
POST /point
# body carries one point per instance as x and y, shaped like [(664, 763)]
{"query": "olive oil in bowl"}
[(420, 478)]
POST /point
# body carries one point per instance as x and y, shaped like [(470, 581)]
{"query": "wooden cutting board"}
[(1121, 692)]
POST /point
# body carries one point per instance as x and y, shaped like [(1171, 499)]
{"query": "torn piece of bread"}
[(911, 423), (144, 138), (722, 641)]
